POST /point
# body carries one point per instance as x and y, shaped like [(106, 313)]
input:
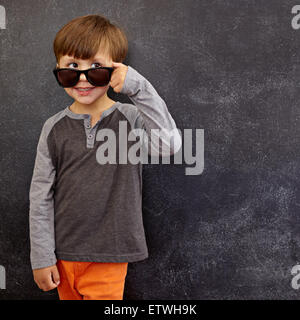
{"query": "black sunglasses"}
[(98, 77)]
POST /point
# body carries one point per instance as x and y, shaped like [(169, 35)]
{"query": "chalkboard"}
[(230, 68)]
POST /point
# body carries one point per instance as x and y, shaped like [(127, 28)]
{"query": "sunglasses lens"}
[(99, 77), (67, 78)]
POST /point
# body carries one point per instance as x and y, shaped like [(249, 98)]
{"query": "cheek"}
[(68, 91), (100, 90)]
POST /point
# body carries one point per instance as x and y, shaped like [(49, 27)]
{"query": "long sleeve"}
[(41, 212), (154, 114)]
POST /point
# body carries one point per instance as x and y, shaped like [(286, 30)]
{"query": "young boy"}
[(86, 217)]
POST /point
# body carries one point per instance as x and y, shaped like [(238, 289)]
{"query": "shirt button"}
[(90, 136)]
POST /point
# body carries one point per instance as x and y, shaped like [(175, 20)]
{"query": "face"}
[(94, 93)]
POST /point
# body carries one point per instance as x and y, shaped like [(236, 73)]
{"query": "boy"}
[(85, 217)]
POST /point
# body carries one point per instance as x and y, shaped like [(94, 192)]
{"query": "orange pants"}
[(91, 280)]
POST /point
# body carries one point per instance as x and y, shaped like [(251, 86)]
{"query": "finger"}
[(117, 88), (113, 83), (114, 75), (116, 64), (55, 276), (47, 283)]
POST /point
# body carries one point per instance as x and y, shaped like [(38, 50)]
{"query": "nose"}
[(82, 77)]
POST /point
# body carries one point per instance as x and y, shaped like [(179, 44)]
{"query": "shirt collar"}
[(105, 113)]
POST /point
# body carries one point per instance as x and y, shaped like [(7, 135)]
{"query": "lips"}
[(84, 91), (85, 88)]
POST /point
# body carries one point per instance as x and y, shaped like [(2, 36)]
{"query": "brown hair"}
[(83, 36)]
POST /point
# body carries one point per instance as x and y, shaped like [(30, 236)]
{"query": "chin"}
[(85, 101), (101, 91)]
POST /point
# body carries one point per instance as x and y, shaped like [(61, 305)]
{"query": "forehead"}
[(100, 57)]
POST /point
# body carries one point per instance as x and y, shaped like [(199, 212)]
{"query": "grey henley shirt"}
[(81, 210)]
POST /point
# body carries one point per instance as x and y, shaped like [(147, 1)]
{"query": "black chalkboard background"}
[(231, 68)]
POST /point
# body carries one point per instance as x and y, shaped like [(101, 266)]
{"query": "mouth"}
[(83, 91), (84, 88)]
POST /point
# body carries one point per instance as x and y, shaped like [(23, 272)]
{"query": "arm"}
[(153, 114), (41, 215)]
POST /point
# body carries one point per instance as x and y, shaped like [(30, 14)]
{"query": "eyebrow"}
[(72, 59)]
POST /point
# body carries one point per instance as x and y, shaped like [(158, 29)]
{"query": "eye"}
[(72, 63), (97, 65)]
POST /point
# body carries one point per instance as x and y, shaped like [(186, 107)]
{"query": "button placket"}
[(90, 131), (87, 128), (87, 122), (91, 137)]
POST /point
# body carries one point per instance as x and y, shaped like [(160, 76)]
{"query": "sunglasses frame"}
[(79, 72)]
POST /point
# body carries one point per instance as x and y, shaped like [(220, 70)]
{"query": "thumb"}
[(116, 64), (55, 276)]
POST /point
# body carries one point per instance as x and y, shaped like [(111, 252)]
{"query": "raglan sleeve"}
[(41, 205), (152, 114)]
